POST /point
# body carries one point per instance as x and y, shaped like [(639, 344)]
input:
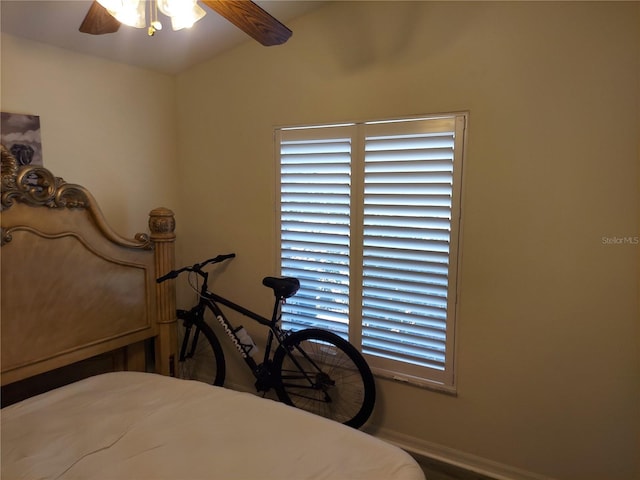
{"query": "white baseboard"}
[(422, 449)]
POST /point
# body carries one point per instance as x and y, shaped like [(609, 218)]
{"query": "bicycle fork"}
[(185, 316)]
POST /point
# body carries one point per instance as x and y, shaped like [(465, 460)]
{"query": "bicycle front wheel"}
[(200, 355), (322, 373)]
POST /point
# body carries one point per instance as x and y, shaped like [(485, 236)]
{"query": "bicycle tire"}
[(207, 363), (343, 389)]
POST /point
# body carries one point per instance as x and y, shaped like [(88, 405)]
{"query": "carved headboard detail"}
[(37, 186)]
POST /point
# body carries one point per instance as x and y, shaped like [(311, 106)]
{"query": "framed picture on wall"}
[(20, 134)]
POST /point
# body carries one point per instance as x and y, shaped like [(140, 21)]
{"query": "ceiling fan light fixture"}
[(127, 12), (178, 22), (106, 16), (183, 13)]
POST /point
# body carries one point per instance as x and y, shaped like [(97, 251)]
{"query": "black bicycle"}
[(312, 369)]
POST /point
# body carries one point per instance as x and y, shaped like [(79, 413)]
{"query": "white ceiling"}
[(56, 22)]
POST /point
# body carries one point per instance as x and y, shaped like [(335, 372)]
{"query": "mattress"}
[(130, 425)]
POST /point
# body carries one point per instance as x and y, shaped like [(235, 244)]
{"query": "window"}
[(369, 218)]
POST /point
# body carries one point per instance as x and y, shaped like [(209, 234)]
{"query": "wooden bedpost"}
[(162, 226)]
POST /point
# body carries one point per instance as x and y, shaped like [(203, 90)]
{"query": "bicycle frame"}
[(210, 300), (300, 374)]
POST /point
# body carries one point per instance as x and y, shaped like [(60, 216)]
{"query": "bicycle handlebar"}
[(197, 267)]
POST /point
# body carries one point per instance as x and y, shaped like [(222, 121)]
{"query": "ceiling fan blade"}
[(98, 21), (251, 19)]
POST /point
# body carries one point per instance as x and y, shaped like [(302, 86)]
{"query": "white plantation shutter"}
[(315, 199), (369, 219), (407, 223)]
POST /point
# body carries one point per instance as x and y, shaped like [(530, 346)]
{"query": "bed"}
[(75, 293)]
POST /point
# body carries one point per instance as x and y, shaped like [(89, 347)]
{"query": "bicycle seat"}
[(283, 287)]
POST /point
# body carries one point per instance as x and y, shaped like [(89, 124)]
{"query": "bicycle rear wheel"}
[(322, 373), (200, 355)]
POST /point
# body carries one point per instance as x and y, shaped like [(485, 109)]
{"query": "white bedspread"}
[(129, 425)]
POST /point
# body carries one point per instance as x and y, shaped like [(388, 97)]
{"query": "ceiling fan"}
[(244, 14)]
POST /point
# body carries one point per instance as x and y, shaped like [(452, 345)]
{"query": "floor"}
[(435, 470)]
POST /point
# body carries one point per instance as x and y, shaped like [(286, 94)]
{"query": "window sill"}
[(416, 381)]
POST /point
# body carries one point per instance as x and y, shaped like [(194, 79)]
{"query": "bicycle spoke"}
[(318, 372), (327, 398)]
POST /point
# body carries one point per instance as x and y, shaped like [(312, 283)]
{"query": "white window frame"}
[(442, 378)]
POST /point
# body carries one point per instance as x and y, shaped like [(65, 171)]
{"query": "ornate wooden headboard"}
[(71, 287)]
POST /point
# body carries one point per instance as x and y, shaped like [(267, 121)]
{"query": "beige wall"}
[(547, 350), (548, 356), (104, 125)]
